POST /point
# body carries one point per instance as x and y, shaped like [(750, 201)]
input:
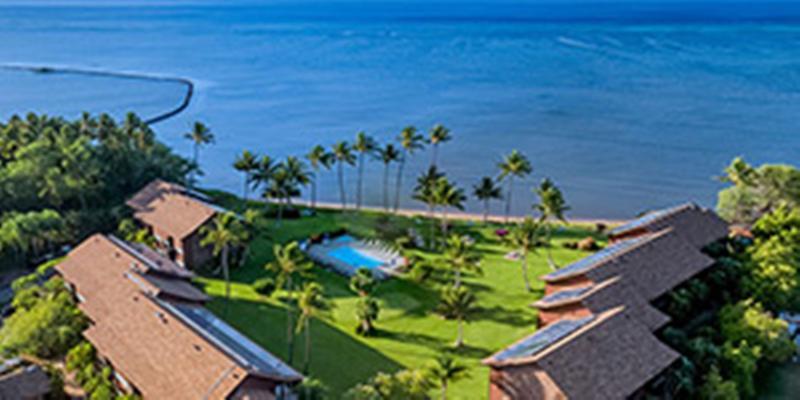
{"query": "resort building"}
[(174, 215), (604, 356), (597, 319), (699, 226), (20, 379), (148, 323)]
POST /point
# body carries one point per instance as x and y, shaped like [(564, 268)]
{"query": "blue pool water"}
[(355, 258)]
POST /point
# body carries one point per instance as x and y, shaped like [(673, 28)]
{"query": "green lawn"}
[(410, 334)]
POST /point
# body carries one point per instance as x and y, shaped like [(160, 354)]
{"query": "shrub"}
[(588, 244)]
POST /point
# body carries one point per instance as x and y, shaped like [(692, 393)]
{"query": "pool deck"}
[(321, 254)]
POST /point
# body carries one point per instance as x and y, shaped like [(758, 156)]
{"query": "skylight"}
[(646, 219), (542, 339), (587, 263), (566, 294)]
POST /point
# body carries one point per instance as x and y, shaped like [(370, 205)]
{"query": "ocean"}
[(627, 107)]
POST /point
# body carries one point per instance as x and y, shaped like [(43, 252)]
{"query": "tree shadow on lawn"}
[(505, 316), (410, 337), (337, 358)]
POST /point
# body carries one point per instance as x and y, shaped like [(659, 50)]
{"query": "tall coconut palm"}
[(446, 369), (410, 141), (263, 172), (486, 191), (425, 192), (458, 303), (365, 146), (438, 135), (225, 232), (367, 311), (311, 303), (551, 206), (299, 176), (200, 136), (246, 163), (282, 188), (362, 282), (514, 165), (387, 154), (447, 195), (460, 256), (319, 159), (525, 237), (342, 154), (289, 266)]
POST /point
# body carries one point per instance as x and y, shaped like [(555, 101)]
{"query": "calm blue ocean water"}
[(626, 107)]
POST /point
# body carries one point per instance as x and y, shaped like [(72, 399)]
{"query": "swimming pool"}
[(354, 258)]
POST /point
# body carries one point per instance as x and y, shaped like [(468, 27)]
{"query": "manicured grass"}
[(410, 333)]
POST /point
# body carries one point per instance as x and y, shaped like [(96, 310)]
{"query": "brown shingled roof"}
[(24, 382), (171, 208), (154, 348), (601, 297), (610, 357), (653, 264), (699, 226)]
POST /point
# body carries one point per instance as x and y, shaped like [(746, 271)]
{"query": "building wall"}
[(577, 310), (526, 382), (194, 254), (578, 281)]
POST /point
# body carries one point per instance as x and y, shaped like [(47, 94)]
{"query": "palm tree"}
[(410, 141), (367, 310), (282, 187), (246, 163), (225, 231), (460, 255), (425, 192), (364, 145), (362, 282), (342, 154), (299, 176), (438, 134), (200, 136), (485, 191), (312, 303), (445, 369), (289, 265), (263, 172), (447, 195), (319, 159), (525, 237), (387, 155), (457, 303), (514, 165), (551, 206)]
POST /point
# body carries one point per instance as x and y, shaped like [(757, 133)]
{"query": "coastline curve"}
[(47, 69)]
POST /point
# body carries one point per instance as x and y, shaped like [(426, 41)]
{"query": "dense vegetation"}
[(62, 180)]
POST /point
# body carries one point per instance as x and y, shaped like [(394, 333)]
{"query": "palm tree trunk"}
[(226, 272), (458, 278), (314, 193), (485, 211), (386, 187), (444, 389), (360, 180), (246, 185), (525, 271), (550, 261), (460, 338), (340, 172), (508, 198), (435, 154), (196, 163), (289, 323), (444, 224), (280, 211), (399, 182), (432, 224), (307, 361)]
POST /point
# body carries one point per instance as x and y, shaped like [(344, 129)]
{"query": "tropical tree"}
[(225, 232), (299, 176), (525, 237), (362, 282), (460, 255), (289, 266), (200, 136), (263, 172), (387, 154), (367, 310), (446, 369), (486, 191), (365, 146), (410, 141), (551, 206), (246, 163), (448, 195), (282, 187), (425, 192), (342, 154), (457, 303), (319, 159), (311, 303), (438, 135), (514, 165)]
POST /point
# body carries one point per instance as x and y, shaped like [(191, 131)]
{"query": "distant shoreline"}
[(47, 69), (453, 215)]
